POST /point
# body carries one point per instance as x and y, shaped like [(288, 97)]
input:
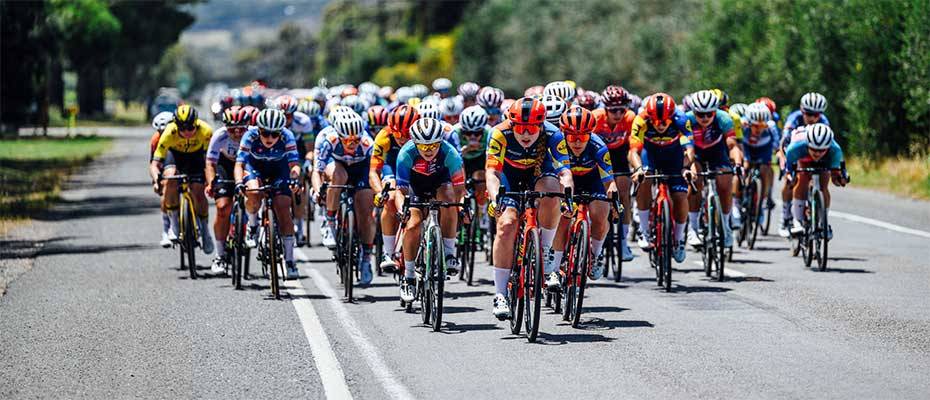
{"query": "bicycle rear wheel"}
[(187, 226), (238, 244), (532, 295), (580, 272), (756, 212), (472, 250), (271, 232), (617, 248)]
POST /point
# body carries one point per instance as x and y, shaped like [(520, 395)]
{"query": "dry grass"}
[(908, 177)]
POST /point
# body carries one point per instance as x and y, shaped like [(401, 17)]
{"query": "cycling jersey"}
[(153, 143), (330, 150), (765, 138), (737, 122), (423, 176), (171, 140), (592, 170), (663, 152), (251, 148), (797, 153), (475, 146), (222, 144), (706, 137), (384, 153), (450, 136), (617, 135), (796, 120), (549, 151)]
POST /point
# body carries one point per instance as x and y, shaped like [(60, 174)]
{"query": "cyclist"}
[(714, 136), (159, 123), (555, 107), (268, 155), (181, 149), (451, 109), (469, 93), (811, 112), (221, 164), (660, 141), (428, 167), (761, 136), (474, 132), (377, 118), (442, 87), (524, 153), (614, 123), (562, 89), (490, 99), (587, 100), (592, 173), (381, 172), (343, 157), (300, 125), (816, 149)]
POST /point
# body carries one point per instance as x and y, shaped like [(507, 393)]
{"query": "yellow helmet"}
[(722, 97), (185, 116), (571, 83), (413, 101)]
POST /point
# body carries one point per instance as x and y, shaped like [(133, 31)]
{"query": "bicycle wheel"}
[(567, 298), (719, 239), (462, 244), (271, 231), (580, 271), (426, 301), (655, 260), (379, 244), (532, 278), (755, 213), (190, 236), (824, 228), (666, 246), (516, 289), (708, 251), (472, 251), (809, 227), (617, 248), (238, 244), (437, 278), (350, 257), (768, 214)]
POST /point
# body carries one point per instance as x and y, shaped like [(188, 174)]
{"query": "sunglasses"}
[(811, 114), (351, 141), (526, 129), (577, 137), (472, 133), (186, 127), (269, 134), (428, 147), (818, 152), (615, 110), (236, 129), (703, 115)]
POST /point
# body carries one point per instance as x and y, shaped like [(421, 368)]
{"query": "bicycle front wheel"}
[(190, 236), (756, 212), (666, 246), (271, 232), (580, 271), (350, 257), (532, 277), (238, 244), (437, 277), (813, 205)]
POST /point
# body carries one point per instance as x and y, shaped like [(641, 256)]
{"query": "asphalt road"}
[(105, 313)]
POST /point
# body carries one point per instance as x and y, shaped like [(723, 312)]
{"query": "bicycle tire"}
[(437, 279), (618, 243), (462, 247), (581, 272), (379, 244), (768, 216), (709, 251), (187, 226), (808, 230), (270, 232), (756, 213), (532, 271), (654, 256), (666, 257), (473, 250), (350, 256), (719, 241), (823, 226), (567, 298), (516, 290), (238, 245)]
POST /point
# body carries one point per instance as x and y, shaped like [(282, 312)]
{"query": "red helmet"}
[(533, 91), (615, 96), (527, 111), (287, 103), (252, 113), (401, 119), (349, 91), (768, 103), (377, 116), (586, 100), (660, 107), (235, 116), (578, 121)]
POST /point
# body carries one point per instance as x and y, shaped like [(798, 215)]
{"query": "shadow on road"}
[(697, 289), (599, 323), (566, 338), (453, 328), (104, 206)]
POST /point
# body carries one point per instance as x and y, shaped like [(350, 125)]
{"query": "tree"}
[(23, 59)]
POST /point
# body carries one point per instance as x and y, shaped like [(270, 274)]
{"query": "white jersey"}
[(222, 144)]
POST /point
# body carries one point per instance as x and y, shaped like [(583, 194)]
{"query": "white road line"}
[(334, 381), (880, 224), (379, 367), (726, 271)]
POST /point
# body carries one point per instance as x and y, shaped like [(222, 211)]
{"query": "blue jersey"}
[(767, 137), (329, 149), (796, 120), (797, 151), (719, 130), (593, 161), (252, 149), (446, 166)]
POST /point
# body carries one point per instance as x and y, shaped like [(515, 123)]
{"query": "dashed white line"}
[(726, 271), (880, 224), (392, 385)]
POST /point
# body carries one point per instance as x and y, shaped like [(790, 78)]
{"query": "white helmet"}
[(442, 84), (317, 94), (490, 97), (385, 92), (338, 112), (555, 107), (819, 136), (450, 106), (404, 94), (368, 87), (426, 131), (813, 102), (310, 108), (469, 89), (428, 110), (271, 119), (419, 90), (561, 89), (474, 118), (757, 112), (739, 109), (162, 120), (355, 103), (349, 125), (704, 101)]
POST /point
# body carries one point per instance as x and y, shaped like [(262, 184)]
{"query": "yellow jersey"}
[(171, 140)]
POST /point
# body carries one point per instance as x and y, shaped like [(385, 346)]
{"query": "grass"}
[(909, 177), (133, 115), (32, 171)]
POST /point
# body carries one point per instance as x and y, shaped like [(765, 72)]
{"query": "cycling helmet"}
[(338, 112), (428, 110), (561, 89), (586, 100), (385, 92), (162, 120), (403, 94), (426, 131), (490, 97), (252, 114), (555, 106), (420, 90), (758, 112), (368, 87), (310, 108), (527, 111), (271, 119), (615, 96), (377, 116), (349, 125), (317, 94), (286, 103), (401, 118), (739, 109), (348, 90), (722, 97), (469, 90), (450, 106), (235, 116), (819, 136), (578, 121), (505, 105), (185, 116), (533, 91), (635, 102), (474, 118), (442, 84), (434, 100), (704, 101), (768, 103), (813, 102), (660, 107), (355, 103)]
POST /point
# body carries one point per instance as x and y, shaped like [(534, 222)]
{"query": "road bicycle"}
[(660, 229), (348, 245), (713, 246), (238, 254), (189, 235), (470, 235), (270, 245), (613, 244), (814, 241), (578, 261), (751, 207)]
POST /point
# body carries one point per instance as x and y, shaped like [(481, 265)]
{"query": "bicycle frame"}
[(187, 227)]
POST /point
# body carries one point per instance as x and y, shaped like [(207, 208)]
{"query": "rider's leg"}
[(725, 191), (694, 204), (389, 225), (507, 224), (282, 209), (680, 214), (364, 220), (221, 224), (337, 175), (448, 219), (171, 200), (598, 211), (411, 242), (800, 195), (623, 186), (766, 171), (643, 202), (202, 208), (549, 215)]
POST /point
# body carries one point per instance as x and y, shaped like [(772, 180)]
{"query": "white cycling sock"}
[(409, 269), (501, 276), (786, 210), (644, 222), (165, 222), (289, 247), (545, 237), (797, 209), (448, 245), (694, 220), (679, 232), (596, 246), (389, 243), (220, 247), (253, 219), (174, 219), (735, 210), (550, 264), (726, 226)]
